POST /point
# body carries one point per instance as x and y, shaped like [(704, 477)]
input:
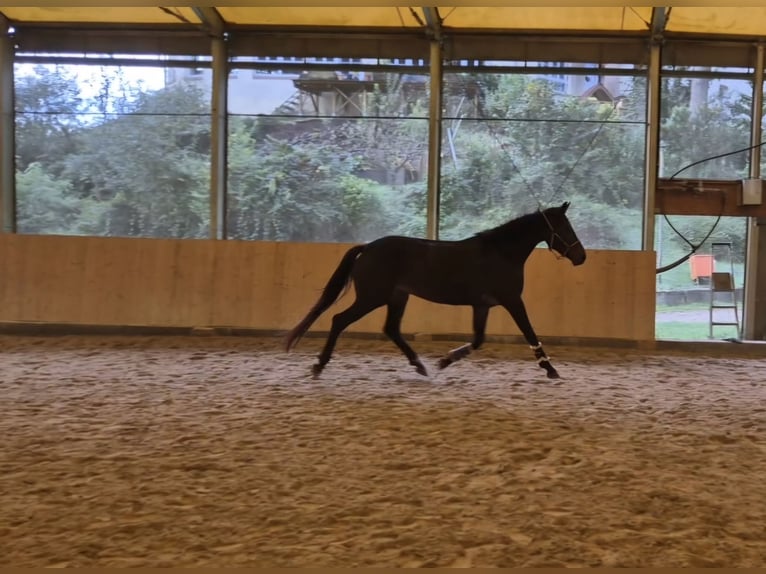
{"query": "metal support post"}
[(754, 307), (218, 140), (7, 145), (652, 144), (434, 142)]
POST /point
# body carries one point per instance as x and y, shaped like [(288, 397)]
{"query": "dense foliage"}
[(133, 162)]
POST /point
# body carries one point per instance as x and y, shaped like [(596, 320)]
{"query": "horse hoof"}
[(421, 369), (553, 375), (316, 370), (444, 362)]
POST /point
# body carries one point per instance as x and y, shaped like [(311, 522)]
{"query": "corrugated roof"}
[(747, 21), (101, 15)]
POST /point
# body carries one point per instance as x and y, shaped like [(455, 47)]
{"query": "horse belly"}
[(448, 273), (446, 290)]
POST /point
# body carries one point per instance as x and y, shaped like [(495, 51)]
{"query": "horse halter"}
[(554, 234)]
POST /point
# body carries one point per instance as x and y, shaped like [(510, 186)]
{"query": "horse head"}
[(563, 239)]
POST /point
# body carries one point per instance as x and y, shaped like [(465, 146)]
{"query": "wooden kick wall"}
[(270, 286)]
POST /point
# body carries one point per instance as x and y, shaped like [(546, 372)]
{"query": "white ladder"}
[(723, 282)]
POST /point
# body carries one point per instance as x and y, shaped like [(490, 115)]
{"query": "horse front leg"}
[(519, 313), (479, 328)]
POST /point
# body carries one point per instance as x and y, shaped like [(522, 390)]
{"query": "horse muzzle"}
[(576, 256)]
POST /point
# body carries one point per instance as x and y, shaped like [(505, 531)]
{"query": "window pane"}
[(763, 131), (112, 151), (703, 118), (513, 140), (326, 155)]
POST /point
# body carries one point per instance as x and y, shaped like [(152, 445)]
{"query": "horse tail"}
[(336, 286)]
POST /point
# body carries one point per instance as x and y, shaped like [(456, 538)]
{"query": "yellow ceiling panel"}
[(391, 16), (100, 15), (718, 20), (749, 21), (548, 18)]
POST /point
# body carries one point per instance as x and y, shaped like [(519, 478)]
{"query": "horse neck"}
[(521, 243), (527, 245)]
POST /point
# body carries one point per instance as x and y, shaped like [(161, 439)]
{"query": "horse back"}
[(451, 272)]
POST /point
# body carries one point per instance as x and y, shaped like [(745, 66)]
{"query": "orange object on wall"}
[(701, 266)]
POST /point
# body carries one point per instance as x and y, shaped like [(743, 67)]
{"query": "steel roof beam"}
[(433, 22), (660, 15), (211, 19)]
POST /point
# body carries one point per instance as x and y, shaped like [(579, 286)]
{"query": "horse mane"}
[(519, 227)]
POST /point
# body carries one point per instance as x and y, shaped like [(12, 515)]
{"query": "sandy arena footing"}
[(222, 451)]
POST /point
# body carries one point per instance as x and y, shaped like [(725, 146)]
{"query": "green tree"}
[(137, 161), (332, 178), (45, 204), (716, 127), (280, 189), (48, 104), (149, 165), (533, 144)]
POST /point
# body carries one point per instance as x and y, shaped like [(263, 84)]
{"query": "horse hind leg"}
[(392, 329), (340, 321), (480, 315)]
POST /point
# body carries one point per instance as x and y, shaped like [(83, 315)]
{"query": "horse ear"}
[(564, 207)]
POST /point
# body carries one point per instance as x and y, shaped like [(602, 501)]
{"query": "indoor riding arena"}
[(180, 192)]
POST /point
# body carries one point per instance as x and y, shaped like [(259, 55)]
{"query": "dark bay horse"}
[(482, 271)]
